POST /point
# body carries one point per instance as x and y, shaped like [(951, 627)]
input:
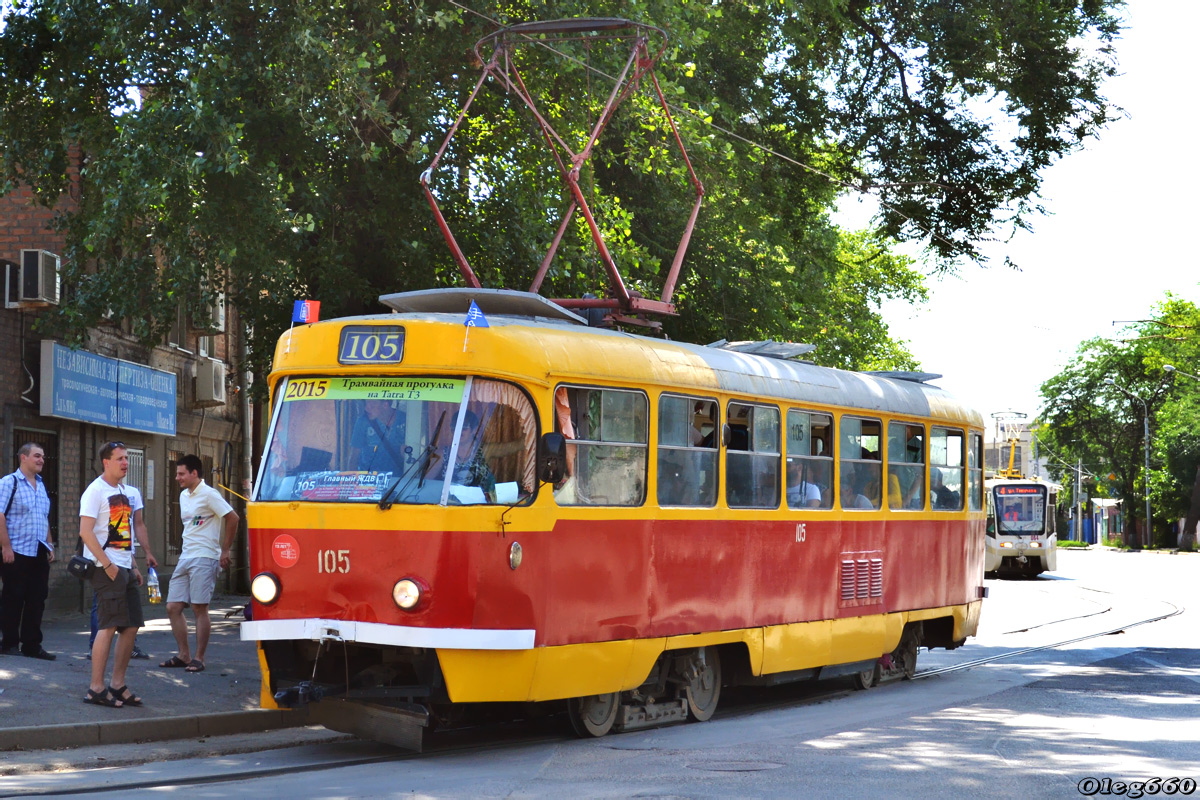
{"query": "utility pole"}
[(1146, 534), (1079, 501)]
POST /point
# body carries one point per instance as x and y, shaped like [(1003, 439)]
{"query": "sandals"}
[(195, 666), (124, 696), (172, 662), (104, 698)]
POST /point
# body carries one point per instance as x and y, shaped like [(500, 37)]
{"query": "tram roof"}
[(561, 346), (990, 481)]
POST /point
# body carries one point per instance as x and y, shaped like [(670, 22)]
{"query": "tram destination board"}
[(371, 344), (1019, 490)]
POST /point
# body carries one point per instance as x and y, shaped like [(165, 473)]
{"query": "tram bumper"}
[(398, 726), (372, 680)]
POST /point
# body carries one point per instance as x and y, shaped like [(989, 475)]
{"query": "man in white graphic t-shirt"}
[(110, 517), (204, 555)]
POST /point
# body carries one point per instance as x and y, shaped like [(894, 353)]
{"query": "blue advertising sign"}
[(92, 388)]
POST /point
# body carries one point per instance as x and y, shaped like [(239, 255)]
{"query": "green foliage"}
[(1071, 544), (273, 152), (1085, 418)]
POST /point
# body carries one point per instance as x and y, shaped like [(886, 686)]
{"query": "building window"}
[(136, 477), (177, 335)]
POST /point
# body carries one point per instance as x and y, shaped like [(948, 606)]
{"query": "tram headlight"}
[(1035, 545), (1006, 544), (265, 588), (407, 593)]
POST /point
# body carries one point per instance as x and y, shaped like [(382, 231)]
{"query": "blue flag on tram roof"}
[(475, 317), (306, 310)]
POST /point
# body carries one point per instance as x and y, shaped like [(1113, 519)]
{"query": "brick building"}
[(204, 416)]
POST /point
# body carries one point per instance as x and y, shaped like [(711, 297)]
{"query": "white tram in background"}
[(1021, 536)]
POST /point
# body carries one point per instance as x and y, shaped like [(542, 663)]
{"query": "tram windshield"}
[(1020, 509), (416, 440)]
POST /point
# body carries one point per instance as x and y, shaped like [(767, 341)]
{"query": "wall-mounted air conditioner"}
[(40, 281), (210, 383), (210, 317)]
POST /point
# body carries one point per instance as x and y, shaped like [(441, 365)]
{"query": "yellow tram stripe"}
[(579, 670)]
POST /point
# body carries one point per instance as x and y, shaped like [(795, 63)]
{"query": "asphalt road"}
[(1059, 710)]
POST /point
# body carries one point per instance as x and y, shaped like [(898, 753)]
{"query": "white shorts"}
[(194, 581)]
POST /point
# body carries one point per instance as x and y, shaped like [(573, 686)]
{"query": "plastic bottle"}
[(152, 586)]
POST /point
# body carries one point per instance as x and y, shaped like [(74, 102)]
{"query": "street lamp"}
[(1169, 368), (1189, 538), (1146, 437)]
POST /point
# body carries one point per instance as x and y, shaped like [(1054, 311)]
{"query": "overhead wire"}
[(1066, 463), (954, 246)]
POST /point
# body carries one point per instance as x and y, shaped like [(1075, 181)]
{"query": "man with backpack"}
[(25, 555)]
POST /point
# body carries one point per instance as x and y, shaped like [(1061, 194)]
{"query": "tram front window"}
[(1020, 509), (409, 440)]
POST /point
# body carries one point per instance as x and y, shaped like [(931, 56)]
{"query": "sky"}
[(1117, 237)]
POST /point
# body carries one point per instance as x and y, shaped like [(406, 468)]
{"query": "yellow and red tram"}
[(542, 511)]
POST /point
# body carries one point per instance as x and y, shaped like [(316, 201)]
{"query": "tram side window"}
[(946, 469), (611, 428), (809, 460), (975, 473), (752, 458), (687, 451), (860, 464), (906, 466)]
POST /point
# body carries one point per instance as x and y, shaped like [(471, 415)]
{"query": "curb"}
[(52, 737)]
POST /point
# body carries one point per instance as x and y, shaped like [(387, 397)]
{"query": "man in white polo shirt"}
[(204, 556)]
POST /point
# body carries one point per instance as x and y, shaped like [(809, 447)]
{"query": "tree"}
[(272, 151), (1086, 418), (1178, 445)]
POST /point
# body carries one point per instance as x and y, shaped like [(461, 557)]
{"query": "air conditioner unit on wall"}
[(210, 317), (210, 383), (40, 281)]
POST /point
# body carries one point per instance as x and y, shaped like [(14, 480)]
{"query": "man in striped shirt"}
[(26, 552)]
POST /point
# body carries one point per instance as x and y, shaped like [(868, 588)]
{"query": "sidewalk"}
[(41, 702)]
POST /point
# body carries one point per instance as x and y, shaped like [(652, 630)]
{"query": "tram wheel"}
[(593, 716), (703, 689), (906, 653), (868, 677)]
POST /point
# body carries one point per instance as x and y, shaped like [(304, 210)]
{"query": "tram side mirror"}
[(552, 457), (726, 435)]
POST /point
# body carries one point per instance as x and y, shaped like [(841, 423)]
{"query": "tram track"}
[(494, 736), (1175, 610)]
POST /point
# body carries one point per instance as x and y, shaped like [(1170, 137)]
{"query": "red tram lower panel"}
[(590, 582)]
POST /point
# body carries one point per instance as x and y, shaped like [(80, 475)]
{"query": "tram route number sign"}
[(439, 390), (371, 344)]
